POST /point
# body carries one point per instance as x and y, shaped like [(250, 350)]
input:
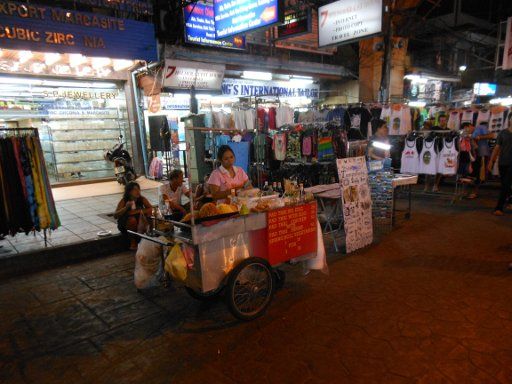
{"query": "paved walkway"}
[(431, 303)]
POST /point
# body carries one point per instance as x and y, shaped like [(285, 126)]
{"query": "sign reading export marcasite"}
[(345, 21)]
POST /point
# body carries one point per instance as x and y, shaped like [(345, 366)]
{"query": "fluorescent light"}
[(51, 58), (203, 97), (120, 65), (462, 68), (56, 83), (419, 104), (299, 81), (380, 145), (24, 56), (100, 62), (468, 102), (506, 101), (257, 75), (76, 59)]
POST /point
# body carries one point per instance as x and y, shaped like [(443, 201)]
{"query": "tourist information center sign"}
[(345, 21), (233, 17), (48, 29)]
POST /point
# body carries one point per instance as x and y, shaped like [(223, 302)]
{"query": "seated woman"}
[(129, 210), (227, 176), (172, 191)]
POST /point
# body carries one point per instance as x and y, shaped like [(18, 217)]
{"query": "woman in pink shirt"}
[(227, 176)]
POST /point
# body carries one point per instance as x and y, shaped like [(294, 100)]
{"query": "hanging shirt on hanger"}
[(325, 147), (239, 118), (483, 116), (396, 119), (447, 160), (260, 142), (359, 120), (410, 158), (435, 112), (262, 118), (279, 146), (293, 146), (272, 118), (250, 119), (385, 114), (428, 158), (406, 121), (498, 117), (284, 116), (453, 120), (467, 116)]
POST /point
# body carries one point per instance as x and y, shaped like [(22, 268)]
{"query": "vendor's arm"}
[(372, 155), (122, 209), (494, 157)]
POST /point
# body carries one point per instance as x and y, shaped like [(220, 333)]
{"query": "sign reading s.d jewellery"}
[(80, 94), (187, 74), (345, 21), (47, 29)]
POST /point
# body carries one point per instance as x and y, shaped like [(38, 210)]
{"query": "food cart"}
[(238, 255)]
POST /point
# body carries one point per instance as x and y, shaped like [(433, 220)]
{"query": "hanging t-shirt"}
[(239, 118), (406, 121), (467, 116), (498, 118), (250, 119), (279, 146), (325, 148), (272, 118), (447, 160), (359, 120), (262, 119), (337, 114), (396, 119), (428, 158), (385, 114), (307, 117), (454, 120), (410, 158), (483, 116), (284, 116), (260, 141), (220, 140), (437, 111), (293, 146)]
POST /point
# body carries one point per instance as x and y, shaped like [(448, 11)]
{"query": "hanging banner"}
[(48, 29), (245, 88), (233, 17), (200, 28), (507, 51), (357, 202), (295, 23), (181, 74), (345, 21)]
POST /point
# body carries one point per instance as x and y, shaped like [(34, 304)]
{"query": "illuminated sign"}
[(345, 21), (200, 28), (139, 7), (48, 29), (245, 88), (233, 17), (484, 89), (295, 24), (187, 74)]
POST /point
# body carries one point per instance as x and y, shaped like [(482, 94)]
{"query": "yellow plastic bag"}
[(176, 264)]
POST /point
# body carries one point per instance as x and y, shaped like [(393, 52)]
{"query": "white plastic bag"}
[(147, 264)]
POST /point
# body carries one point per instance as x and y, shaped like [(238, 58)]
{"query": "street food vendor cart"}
[(238, 255)]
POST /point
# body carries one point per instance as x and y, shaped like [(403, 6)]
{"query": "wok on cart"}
[(239, 255)]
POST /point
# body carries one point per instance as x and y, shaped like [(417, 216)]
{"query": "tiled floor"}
[(81, 220)]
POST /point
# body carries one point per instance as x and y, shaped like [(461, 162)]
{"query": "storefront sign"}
[(83, 113), (295, 24), (345, 21), (47, 29), (200, 28), (246, 88), (291, 232), (186, 74), (357, 202), (507, 50), (233, 17), (80, 94)]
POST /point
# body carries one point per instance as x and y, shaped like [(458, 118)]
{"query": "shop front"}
[(66, 73)]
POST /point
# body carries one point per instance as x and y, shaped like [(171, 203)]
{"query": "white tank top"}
[(410, 158), (447, 161), (428, 158)]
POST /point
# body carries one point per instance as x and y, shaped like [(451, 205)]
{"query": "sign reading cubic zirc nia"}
[(48, 29), (200, 28), (345, 21), (233, 17)]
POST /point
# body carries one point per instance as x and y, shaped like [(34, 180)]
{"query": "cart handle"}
[(153, 239)]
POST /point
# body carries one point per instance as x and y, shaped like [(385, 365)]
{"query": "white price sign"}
[(345, 21), (186, 74)]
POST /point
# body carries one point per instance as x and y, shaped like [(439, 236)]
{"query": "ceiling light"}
[(76, 59), (257, 75), (24, 56), (381, 145), (298, 81), (51, 58), (120, 65), (462, 68), (100, 62)]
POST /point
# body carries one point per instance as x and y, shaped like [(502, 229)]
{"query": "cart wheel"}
[(208, 296), (250, 288)]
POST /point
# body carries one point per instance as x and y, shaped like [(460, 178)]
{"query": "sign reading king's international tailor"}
[(345, 21), (48, 29), (233, 17), (245, 88)]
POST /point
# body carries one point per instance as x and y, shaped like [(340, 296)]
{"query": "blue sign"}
[(233, 17), (47, 29), (200, 28)]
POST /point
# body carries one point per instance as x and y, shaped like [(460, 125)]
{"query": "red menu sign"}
[(291, 232)]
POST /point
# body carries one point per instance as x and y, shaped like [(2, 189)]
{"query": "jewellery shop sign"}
[(49, 29)]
